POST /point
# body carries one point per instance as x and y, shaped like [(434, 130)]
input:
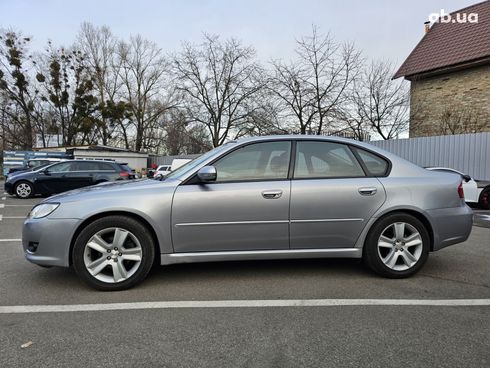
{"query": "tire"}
[(24, 189), (484, 200), (120, 254), (389, 254)]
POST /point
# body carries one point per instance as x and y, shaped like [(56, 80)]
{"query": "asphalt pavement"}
[(289, 336)]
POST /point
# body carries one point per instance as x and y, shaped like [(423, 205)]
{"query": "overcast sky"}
[(387, 29)]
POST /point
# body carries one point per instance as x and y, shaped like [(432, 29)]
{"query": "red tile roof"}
[(451, 44)]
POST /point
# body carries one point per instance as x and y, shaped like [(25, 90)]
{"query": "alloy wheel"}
[(112, 255), (23, 190), (400, 246)]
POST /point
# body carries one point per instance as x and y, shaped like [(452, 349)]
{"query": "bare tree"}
[(99, 45), (218, 80), (458, 119), (183, 137), (313, 87), (379, 103), (142, 72), (296, 96)]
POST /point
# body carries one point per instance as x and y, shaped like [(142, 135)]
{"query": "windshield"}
[(40, 167), (196, 162)]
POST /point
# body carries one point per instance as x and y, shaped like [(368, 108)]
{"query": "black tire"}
[(127, 223), (484, 200), (22, 194), (371, 256)]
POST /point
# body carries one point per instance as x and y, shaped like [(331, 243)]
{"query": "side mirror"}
[(46, 172), (207, 174), (466, 178)]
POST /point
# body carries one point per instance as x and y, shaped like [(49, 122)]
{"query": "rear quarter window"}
[(376, 165)]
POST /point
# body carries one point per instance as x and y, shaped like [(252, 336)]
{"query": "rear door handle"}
[(368, 191), (272, 194)]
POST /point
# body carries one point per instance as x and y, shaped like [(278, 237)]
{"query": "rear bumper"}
[(451, 225), (47, 242)]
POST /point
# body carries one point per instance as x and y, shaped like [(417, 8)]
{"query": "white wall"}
[(136, 161)]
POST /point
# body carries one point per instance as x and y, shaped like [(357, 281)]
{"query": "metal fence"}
[(167, 160), (468, 153)]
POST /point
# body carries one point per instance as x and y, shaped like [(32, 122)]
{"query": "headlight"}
[(42, 210)]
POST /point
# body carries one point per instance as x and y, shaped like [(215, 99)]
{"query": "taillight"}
[(461, 191), (124, 174)]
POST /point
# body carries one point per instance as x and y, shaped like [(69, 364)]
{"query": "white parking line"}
[(16, 205), (4, 198), (244, 304), (10, 240), (13, 217), (2, 205)]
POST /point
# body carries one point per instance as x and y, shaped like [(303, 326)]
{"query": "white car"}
[(178, 162), (475, 191), (162, 170)]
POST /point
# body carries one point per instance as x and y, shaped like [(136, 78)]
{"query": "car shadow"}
[(219, 279), (262, 268)]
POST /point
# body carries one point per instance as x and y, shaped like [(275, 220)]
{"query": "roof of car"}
[(295, 137), (95, 160), (81, 160), (47, 159), (312, 138)]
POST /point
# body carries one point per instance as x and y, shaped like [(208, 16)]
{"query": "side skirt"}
[(196, 257)]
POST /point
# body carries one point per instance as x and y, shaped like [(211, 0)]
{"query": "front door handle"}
[(272, 194), (368, 191)]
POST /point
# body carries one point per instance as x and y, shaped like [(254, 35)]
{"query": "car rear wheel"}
[(113, 253), (484, 201), (24, 189), (397, 246)]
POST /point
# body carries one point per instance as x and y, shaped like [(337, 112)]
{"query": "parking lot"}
[(230, 316)]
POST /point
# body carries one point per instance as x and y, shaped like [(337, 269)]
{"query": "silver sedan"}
[(258, 198)]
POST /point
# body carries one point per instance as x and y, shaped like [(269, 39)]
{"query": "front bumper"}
[(47, 241), (451, 225), (9, 188)]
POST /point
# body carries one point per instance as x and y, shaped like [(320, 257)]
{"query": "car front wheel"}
[(24, 189), (397, 246), (113, 253)]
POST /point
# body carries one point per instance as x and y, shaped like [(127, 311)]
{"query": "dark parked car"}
[(33, 164), (64, 176)]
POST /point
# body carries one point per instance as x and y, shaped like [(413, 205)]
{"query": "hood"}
[(114, 188), (26, 174)]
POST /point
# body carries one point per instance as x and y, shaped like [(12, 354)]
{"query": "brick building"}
[(449, 71)]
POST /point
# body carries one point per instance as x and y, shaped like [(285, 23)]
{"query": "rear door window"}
[(325, 160), (86, 166), (102, 166)]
